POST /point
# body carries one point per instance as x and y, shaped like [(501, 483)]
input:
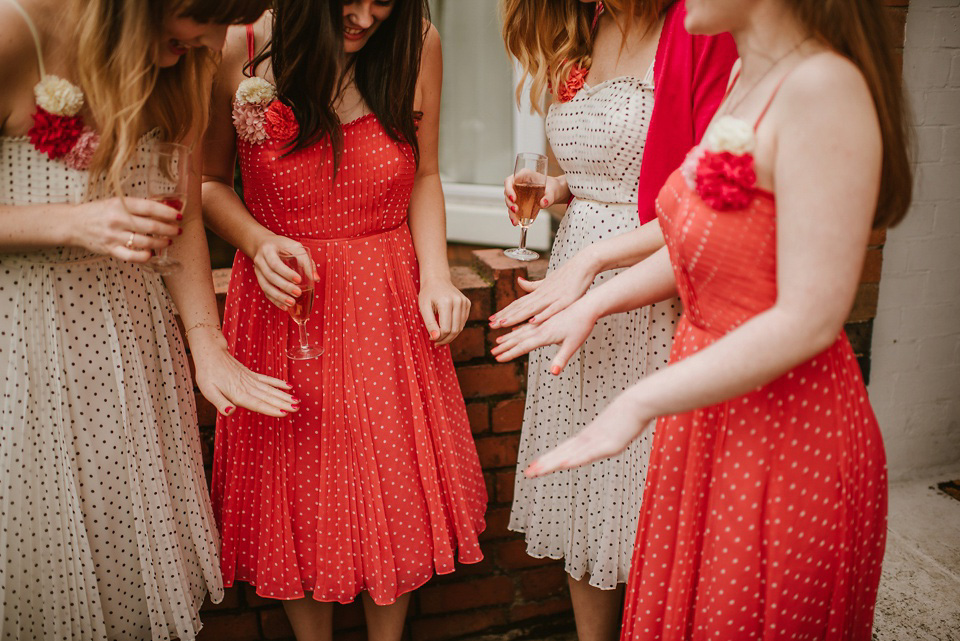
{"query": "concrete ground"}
[(919, 596)]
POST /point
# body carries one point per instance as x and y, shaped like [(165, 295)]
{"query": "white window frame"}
[(476, 213)]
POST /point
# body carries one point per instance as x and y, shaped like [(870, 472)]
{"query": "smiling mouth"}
[(178, 48), (351, 33)]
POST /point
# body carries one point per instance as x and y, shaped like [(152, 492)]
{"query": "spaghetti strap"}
[(773, 95), (251, 44), (34, 33), (730, 87), (596, 16)]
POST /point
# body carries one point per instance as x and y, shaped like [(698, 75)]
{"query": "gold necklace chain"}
[(772, 66)]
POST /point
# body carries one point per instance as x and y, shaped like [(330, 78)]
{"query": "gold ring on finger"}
[(129, 243)]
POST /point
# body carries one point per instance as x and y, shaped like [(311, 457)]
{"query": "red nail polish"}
[(179, 231), (179, 216), (169, 242), (227, 411)]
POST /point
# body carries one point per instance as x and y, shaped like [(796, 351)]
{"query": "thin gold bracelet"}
[(215, 326)]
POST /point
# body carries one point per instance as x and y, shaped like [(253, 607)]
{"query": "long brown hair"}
[(116, 65), (861, 31), (551, 37), (306, 54)]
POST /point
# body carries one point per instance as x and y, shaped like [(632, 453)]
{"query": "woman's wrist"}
[(565, 193), (66, 223), (254, 241), (439, 274), (204, 336)]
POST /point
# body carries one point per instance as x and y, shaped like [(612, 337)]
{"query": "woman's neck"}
[(768, 33)]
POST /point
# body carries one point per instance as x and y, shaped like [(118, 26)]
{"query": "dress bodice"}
[(725, 262), (30, 177), (296, 194), (598, 138)]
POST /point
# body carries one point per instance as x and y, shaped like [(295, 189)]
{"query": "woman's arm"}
[(443, 307), (223, 210), (643, 284), (222, 379), (561, 287), (826, 160)]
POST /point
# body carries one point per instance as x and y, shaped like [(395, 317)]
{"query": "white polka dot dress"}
[(106, 530), (588, 516)]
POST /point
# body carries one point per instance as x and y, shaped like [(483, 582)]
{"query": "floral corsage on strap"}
[(720, 169), (258, 115), (58, 128)]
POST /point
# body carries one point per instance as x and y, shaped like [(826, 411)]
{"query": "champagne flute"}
[(299, 261), (529, 181), (167, 176)]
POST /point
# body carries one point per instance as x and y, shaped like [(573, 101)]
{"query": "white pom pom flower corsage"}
[(255, 91), (731, 135), (58, 97)]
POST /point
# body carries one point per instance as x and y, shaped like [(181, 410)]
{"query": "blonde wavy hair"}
[(126, 92), (549, 38)]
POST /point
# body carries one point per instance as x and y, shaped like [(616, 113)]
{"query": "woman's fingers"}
[(141, 207), (567, 349), (220, 401), (284, 271), (279, 274), (279, 298), (561, 457), (429, 318), (529, 285), (150, 227), (121, 252), (444, 309), (459, 311), (271, 381), (510, 200)]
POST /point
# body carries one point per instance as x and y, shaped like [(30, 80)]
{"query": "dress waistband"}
[(604, 202), (347, 239), (51, 257)]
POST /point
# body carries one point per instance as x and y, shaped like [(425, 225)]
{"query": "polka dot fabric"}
[(106, 529), (375, 484), (764, 517), (588, 516)]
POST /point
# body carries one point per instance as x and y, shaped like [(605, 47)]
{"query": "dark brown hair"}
[(306, 54), (861, 31)]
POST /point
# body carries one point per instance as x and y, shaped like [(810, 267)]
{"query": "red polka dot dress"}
[(375, 484), (763, 517)]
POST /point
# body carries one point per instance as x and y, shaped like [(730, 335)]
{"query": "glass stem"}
[(523, 237), (304, 345)]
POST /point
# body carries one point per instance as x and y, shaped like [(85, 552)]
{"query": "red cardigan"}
[(690, 76)]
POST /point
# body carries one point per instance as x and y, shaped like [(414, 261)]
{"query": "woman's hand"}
[(609, 434), (569, 328), (128, 229), (444, 309), (557, 291), (280, 283), (228, 384), (556, 191)]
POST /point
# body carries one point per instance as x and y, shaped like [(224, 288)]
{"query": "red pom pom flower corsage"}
[(575, 81), (721, 168), (58, 129)]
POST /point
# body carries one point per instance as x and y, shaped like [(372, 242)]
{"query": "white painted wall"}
[(915, 374)]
